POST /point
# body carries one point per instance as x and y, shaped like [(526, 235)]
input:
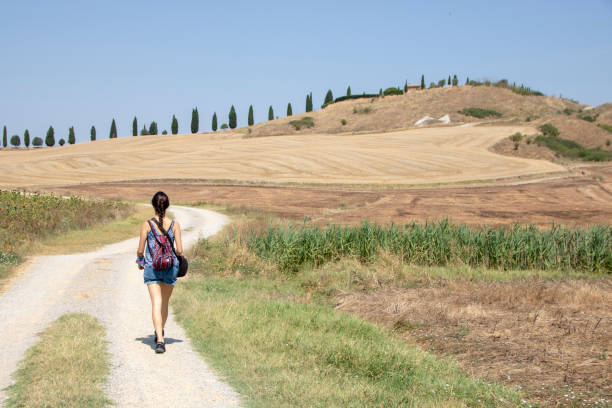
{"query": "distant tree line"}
[(232, 121)]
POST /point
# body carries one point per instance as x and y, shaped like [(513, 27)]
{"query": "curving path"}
[(107, 284)]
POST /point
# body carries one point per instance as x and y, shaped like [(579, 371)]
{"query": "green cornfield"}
[(438, 244)]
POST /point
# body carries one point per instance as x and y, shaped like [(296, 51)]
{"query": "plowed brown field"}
[(432, 155)]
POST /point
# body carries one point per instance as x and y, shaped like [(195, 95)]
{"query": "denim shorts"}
[(167, 276)]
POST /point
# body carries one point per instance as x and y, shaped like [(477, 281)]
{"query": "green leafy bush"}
[(37, 142), (393, 91), (605, 127), (480, 112), (305, 122), (589, 118), (517, 137), (573, 150), (548, 129)]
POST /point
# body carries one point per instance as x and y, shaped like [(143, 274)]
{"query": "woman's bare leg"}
[(155, 291), (166, 292)]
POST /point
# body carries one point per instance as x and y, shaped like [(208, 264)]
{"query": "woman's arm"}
[(177, 238), (144, 228)]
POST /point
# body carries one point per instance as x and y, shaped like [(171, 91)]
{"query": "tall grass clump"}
[(438, 244), (27, 217)]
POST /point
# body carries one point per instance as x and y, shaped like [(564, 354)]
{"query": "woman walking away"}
[(159, 261)]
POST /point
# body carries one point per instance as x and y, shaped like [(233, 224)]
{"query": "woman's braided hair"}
[(160, 203)]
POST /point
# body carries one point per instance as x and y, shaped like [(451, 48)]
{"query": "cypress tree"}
[(134, 127), (251, 120), (144, 131), (4, 137), (214, 122), (232, 118), (380, 92), (467, 81), (153, 128), (71, 137), (422, 81), (174, 127), (348, 91), (50, 139), (195, 120), (270, 113), (289, 109), (113, 130), (26, 138), (309, 102), (455, 80), (329, 98), (448, 82), (92, 133), (406, 87)]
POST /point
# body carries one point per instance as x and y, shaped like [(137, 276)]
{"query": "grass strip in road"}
[(65, 369), (279, 350)]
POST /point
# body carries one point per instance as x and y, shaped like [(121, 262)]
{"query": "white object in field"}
[(423, 120), (445, 119)]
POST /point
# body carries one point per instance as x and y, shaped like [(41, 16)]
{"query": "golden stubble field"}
[(417, 156)]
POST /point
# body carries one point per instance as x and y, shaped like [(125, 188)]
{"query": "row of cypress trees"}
[(195, 121)]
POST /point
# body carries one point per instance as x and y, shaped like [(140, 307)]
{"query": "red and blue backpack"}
[(162, 253)]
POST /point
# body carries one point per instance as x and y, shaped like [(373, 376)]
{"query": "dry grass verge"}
[(65, 369)]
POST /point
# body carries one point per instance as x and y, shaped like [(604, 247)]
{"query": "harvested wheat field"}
[(432, 155), (576, 198), (551, 338)]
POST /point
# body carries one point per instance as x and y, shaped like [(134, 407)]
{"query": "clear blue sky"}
[(82, 63)]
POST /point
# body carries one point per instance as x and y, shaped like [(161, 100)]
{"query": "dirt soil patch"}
[(552, 339), (578, 199)]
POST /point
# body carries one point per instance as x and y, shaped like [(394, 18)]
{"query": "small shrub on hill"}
[(548, 129), (568, 111), (605, 127), (393, 91), (589, 118), (360, 110), (61, 142), (343, 121), (305, 122), (480, 112), (37, 142), (224, 126)]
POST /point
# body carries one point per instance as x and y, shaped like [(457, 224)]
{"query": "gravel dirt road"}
[(107, 284)]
